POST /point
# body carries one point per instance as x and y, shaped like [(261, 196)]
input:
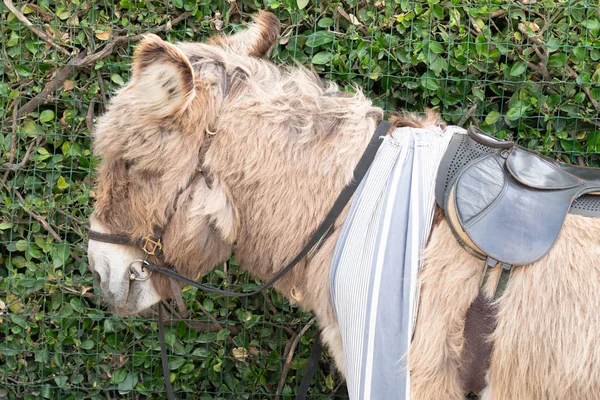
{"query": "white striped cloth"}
[(377, 257)]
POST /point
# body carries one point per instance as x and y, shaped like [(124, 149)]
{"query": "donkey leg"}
[(450, 282), (546, 343)]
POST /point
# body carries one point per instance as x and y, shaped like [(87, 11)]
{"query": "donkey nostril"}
[(97, 277)]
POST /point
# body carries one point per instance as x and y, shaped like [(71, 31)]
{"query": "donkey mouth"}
[(116, 294), (135, 299)]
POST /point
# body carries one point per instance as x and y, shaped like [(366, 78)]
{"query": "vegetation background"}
[(528, 70)]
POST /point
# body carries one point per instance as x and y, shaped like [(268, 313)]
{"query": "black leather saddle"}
[(507, 203)]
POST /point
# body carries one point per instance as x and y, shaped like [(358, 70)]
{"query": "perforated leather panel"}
[(587, 205), (463, 150)]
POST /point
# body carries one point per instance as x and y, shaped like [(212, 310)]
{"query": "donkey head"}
[(152, 179)]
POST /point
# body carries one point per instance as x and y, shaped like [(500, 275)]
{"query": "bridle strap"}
[(338, 206), (311, 367), (163, 354), (123, 240)]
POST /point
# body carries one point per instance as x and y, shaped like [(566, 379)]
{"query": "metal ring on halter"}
[(133, 273)]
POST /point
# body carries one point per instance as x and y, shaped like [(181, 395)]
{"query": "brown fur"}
[(403, 118), (286, 145)]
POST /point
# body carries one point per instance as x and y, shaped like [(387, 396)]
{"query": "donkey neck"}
[(283, 188)]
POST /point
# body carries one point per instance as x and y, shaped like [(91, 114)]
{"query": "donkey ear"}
[(257, 40), (163, 75)]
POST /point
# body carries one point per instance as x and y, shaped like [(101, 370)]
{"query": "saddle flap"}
[(495, 216), (533, 171)]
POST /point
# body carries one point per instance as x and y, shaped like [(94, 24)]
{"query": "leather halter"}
[(155, 241)]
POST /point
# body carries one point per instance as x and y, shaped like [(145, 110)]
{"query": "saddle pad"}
[(463, 150), (373, 271)]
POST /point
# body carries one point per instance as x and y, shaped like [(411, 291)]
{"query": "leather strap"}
[(338, 206), (163, 354), (344, 197), (147, 244), (311, 368), (123, 240)]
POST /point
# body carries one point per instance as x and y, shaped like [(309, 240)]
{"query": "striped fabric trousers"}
[(377, 257)]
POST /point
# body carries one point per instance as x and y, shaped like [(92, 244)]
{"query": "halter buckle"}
[(150, 246)]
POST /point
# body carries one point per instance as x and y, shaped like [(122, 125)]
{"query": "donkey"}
[(219, 149)]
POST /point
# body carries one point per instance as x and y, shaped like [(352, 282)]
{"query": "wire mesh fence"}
[(527, 70)]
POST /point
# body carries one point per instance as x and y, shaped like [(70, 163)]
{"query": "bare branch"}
[(585, 90), (82, 60), (13, 139), (498, 13), (38, 218), (41, 34), (290, 356), (470, 112), (69, 216), (352, 19), (89, 117), (13, 167), (45, 14), (59, 78)]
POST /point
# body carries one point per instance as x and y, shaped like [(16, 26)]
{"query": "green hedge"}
[(530, 72)]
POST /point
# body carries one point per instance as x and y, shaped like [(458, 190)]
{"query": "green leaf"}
[(209, 305), (201, 352), (319, 38), (518, 68), (482, 45), (119, 375), (175, 363), (116, 78), (62, 183), (46, 116), (14, 39), (302, 3), (436, 47), (557, 60), (571, 146), (329, 382), (438, 64), (21, 245), (59, 254), (23, 70), (325, 22), (76, 304), (590, 24), (580, 52), (515, 113), (61, 381), (128, 383), (5, 225), (492, 117), (87, 345), (207, 337), (178, 3), (322, 57), (429, 82), (222, 334)]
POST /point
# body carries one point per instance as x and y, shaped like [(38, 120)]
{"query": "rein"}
[(152, 246)]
